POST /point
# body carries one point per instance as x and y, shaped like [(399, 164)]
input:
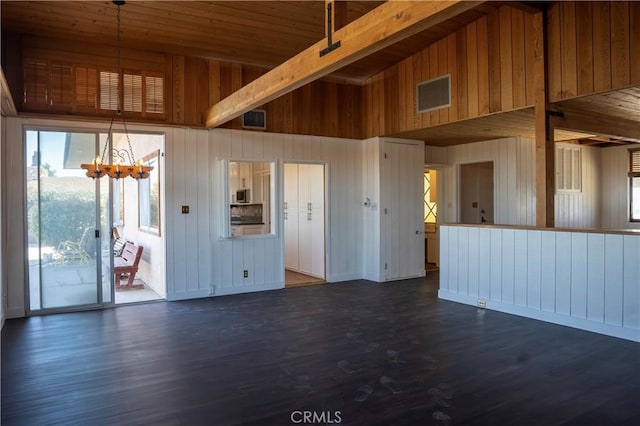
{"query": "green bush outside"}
[(65, 217)]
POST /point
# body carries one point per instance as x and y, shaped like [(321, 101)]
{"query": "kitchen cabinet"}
[(304, 218), (240, 177)]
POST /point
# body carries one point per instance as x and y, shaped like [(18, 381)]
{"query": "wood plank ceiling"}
[(267, 33), (259, 33)]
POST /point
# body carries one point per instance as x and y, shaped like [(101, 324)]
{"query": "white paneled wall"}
[(514, 178), (188, 180), (392, 181), (199, 261), (514, 183), (582, 209), (262, 255), (615, 189), (371, 213), (587, 280)]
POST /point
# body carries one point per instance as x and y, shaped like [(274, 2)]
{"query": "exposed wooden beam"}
[(387, 24), (545, 149), (596, 123), (8, 107)]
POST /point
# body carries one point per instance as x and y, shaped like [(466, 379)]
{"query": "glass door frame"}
[(98, 226)]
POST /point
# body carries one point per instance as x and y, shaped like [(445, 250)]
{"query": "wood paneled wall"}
[(490, 63), (192, 85), (593, 47), (321, 108), (585, 280)]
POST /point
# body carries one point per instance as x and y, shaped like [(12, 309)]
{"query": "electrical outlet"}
[(246, 273), (482, 303)]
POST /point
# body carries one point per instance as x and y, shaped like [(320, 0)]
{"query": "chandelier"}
[(96, 169)]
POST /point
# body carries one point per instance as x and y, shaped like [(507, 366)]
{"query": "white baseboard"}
[(552, 317), (379, 278), (186, 295), (15, 313), (336, 278), (224, 291)]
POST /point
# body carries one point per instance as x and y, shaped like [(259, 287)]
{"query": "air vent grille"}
[(434, 93), (255, 119)]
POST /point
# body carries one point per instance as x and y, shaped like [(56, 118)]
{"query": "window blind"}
[(108, 90), (86, 87), (634, 163), (132, 92), (154, 99), (61, 84), (36, 82)]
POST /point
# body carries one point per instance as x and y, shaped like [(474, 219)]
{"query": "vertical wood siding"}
[(593, 47), (192, 85), (615, 189), (487, 61), (580, 279), (514, 178), (199, 262), (582, 209), (262, 256)]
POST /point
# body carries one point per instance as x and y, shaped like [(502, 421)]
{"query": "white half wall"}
[(586, 280)]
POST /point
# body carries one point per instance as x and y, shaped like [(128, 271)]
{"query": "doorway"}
[(67, 222), (304, 224), (430, 204), (71, 220), (476, 193)]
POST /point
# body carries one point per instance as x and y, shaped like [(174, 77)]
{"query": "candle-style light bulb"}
[(140, 166), (118, 165), (97, 164)]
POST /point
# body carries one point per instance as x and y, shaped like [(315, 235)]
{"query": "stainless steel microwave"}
[(242, 196)]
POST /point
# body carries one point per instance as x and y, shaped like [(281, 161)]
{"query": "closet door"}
[(291, 214), (316, 200), (305, 217), (311, 228)]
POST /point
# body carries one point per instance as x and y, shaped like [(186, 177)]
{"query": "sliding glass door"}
[(68, 222)]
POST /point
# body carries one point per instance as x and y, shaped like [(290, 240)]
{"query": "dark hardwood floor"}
[(356, 353)]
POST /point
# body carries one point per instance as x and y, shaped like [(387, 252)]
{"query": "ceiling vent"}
[(255, 119), (434, 94)]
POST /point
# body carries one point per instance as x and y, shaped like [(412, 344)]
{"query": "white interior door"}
[(476, 193), (304, 218), (403, 238), (291, 217)]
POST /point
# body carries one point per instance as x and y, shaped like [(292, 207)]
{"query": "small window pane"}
[(635, 199)]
